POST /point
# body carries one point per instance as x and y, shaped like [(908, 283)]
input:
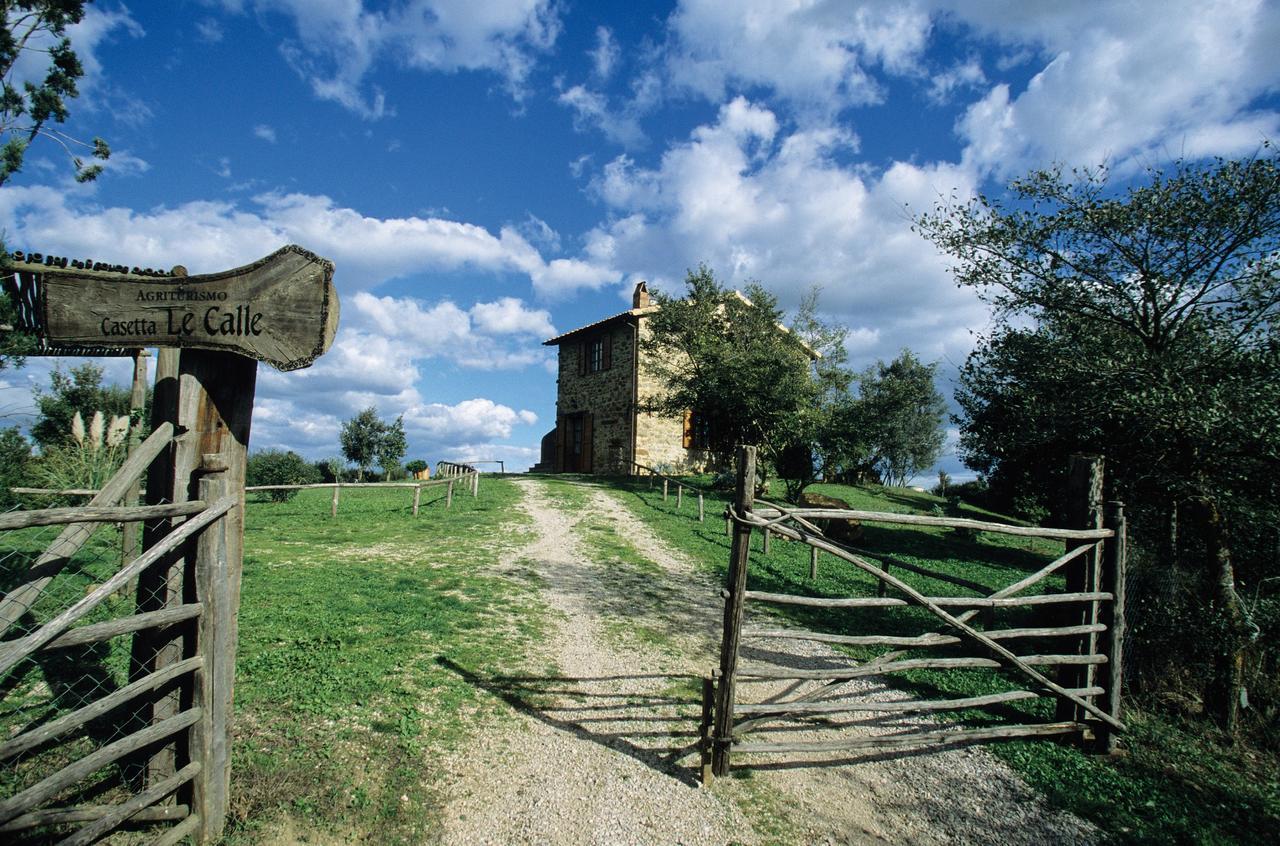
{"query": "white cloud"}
[(591, 109), (338, 43), (605, 55), (206, 236), (757, 202), (265, 132), (509, 316), (209, 30), (818, 57), (466, 421), (1125, 83)]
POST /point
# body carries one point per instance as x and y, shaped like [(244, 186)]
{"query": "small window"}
[(597, 355), (698, 430)]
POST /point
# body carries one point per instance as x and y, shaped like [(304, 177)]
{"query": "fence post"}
[(764, 541), (448, 496), (813, 562), (475, 483), (664, 490), (417, 497), (130, 533), (701, 513), (1084, 511), (679, 495), (1113, 578), (217, 589), (208, 396), (704, 730), (744, 499), (333, 506)]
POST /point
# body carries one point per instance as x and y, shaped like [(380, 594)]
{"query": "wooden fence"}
[(470, 480), (149, 749), (667, 482), (1085, 620)]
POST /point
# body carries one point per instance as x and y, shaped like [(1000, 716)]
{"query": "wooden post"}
[(701, 513), (813, 562), (475, 483), (448, 497), (664, 490), (129, 534), (210, 401), (1084, 511), (217, 589), (704, 730), (882, 589), (1113, 617), (744, 499), (764, 541), (333, 506), (417, 497), (679, 496)]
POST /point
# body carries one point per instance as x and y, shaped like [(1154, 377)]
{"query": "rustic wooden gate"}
[(148, 742), (1085, 617)]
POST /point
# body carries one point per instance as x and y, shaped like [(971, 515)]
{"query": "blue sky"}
[(487, 174)]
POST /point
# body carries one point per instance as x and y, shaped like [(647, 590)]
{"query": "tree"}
[(728, 357), (416, 466), (81, 392), (900, 415), (15, 455), (361, 439), (1140, 323), (392, 448), (27, 106), (280, 467)]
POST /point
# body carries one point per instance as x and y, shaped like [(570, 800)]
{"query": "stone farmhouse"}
[(602, 391)]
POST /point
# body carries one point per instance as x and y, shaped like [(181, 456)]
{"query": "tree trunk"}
[(1226, 695)]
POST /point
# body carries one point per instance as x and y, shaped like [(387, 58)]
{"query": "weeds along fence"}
[(668, 482), (468, 482), (1060, 645), (115, 677)]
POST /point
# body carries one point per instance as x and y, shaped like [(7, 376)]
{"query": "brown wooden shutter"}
[(588, 453), (608, 352), (688, 430), (560, 435)]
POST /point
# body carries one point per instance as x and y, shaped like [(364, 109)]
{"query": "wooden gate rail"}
[(198, 728), (795, 524)]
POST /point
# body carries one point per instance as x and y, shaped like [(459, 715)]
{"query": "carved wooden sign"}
[(282, 309)]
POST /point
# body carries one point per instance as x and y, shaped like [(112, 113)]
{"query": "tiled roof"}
[(631, 312)]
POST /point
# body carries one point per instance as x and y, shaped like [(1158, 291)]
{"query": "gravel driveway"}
[(602, 749)]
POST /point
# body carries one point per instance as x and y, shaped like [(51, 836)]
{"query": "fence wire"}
[(54, 682)]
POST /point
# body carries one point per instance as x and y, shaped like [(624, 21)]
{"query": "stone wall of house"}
[(660, 440), (607, 394)]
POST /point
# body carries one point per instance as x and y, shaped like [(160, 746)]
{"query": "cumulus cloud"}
[(1122, 84), (336, 44), (756, 201), (212, 235), (265, 132)]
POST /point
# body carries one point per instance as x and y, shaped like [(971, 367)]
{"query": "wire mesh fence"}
[(56, 681)]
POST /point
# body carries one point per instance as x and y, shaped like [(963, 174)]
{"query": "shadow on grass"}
[(629, 723)]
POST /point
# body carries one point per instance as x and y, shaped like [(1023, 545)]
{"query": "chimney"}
[(640, 299)]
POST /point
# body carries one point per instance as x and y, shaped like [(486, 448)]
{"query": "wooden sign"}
[(282, 309)]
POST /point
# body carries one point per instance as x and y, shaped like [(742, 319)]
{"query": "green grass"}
[(1179, 782), (342, 707)]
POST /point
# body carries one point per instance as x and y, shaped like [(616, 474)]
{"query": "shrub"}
[(15, 455), (416, 466), (89, 457), (279, 467)]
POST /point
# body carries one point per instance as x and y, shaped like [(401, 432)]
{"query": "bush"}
[(278, 467), (416, 466)]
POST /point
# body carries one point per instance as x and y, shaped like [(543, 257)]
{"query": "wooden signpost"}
[(281, 309)]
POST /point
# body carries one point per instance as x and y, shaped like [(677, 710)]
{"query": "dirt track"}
[(602, 752)]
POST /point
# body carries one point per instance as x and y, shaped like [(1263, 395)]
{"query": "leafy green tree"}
[(79, 391), (28, 107), (416, 466), (361, 439), (280, 467), (15, 456), (729, 358), (1140, 323), (900, 415), (392, 448)]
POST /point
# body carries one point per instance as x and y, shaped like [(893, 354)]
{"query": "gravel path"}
[(602, 752)]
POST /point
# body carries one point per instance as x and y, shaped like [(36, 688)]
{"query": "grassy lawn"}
[(1178, 783), (342, 708)]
